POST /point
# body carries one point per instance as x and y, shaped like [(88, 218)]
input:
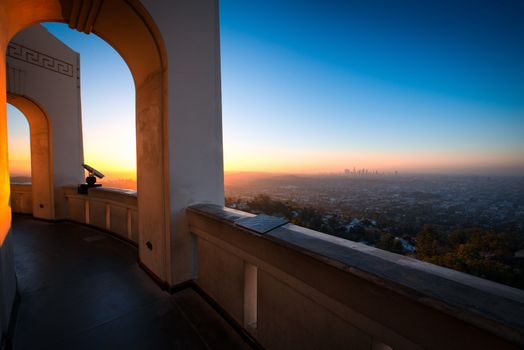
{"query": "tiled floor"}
[(82, 289)]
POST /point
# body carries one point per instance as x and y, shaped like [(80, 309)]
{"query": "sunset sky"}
[(319, 86)]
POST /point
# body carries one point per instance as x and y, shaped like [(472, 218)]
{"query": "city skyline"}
[(320, 88)]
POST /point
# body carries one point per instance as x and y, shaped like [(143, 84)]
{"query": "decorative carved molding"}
[(39, 59), (82, 14)]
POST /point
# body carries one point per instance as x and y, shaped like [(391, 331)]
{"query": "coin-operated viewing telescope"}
[(90, 179)]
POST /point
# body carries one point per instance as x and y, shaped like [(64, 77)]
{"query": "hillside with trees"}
[(478, 251)]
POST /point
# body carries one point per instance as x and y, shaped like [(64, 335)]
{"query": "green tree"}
[(388, 242), (429, 243)]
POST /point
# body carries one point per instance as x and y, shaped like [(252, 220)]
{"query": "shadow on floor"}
[(81, 288)]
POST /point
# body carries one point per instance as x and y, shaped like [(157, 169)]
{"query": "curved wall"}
[(43, 81)]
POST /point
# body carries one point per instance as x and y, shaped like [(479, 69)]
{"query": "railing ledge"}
[(488, 305)]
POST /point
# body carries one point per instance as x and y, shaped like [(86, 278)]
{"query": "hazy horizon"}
[(234, 178)]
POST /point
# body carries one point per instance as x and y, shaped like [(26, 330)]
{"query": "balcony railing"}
[(22, 198), (113, 210), (294, 288)]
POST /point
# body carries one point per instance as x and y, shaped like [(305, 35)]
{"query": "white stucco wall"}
[(46, 71), (190, 30)]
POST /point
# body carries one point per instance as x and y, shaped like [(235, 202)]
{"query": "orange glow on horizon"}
[(316, 162), (19, 156), (295, 161), (308, 162)]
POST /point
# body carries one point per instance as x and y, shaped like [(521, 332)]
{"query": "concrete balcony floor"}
[(81, 288)]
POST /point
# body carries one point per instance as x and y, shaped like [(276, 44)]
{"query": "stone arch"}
[(145, 55), (41, 156)]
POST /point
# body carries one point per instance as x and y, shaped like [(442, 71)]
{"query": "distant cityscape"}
[(408, 201), (473, 224), (364, 171)]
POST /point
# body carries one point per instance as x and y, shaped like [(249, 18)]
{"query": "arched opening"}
[(106, 98), (19, 161), (19, 146), (145, 56), (41, 157)]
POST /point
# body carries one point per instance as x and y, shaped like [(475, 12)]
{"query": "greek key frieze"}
[(39, 59)]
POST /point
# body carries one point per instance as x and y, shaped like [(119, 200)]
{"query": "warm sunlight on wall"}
[(18, 143)]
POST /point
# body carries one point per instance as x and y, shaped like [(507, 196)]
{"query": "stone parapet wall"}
[(112, 210), (294, 288)]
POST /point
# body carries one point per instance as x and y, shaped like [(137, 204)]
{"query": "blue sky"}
[(376, 76), (319, 86)]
